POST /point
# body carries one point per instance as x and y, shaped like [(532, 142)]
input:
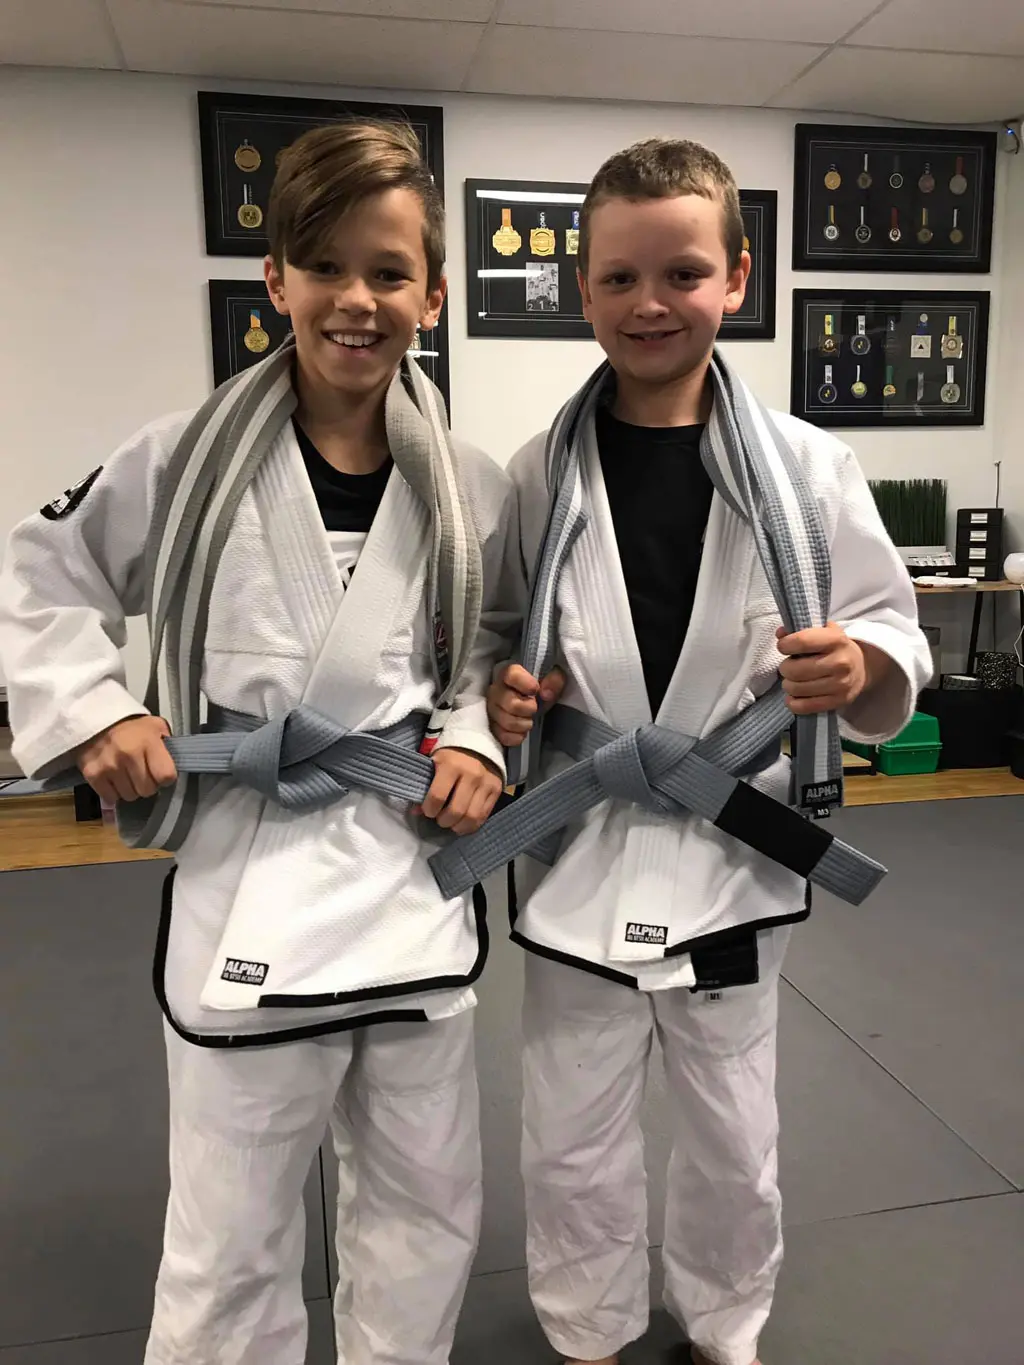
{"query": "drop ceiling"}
[(932, 61)]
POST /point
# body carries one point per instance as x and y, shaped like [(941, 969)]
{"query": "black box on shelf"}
[(87, 803), (974, 725)]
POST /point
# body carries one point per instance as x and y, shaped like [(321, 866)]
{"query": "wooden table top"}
[(1000, 585), (41, 831)]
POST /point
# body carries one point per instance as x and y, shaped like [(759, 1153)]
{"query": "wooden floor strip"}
[(41, 831)]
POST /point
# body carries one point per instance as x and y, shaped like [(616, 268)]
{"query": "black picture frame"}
[(755, 320), (233, 301), (890, 186), (905, 337), (269, 123), (499, 305)]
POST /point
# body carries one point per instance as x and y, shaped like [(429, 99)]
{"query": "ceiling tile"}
[(266, 45), (980, 26), (808, 21), (633, 66), (56, 33), (472, 11), (923, 87)]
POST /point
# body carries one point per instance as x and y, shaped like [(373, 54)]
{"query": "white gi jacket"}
[(685, 872), (375, 934)]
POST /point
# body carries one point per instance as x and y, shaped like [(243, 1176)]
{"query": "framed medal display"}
[(241, 138), (522, 244), (889, 358), (522, 240), (907, 199), (245, 326)]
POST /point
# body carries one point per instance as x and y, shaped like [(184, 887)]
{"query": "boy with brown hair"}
[(702, 572), (321, 566)]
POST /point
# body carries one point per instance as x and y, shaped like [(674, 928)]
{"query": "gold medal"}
[(833, 179), (828, 343), (924, 232), (247, 158), (250, 215), (956, 232), (506, 241), (864, 180), (542, 238), (256, 339), (858, 388), (958, 184), (572, 235), (952, 344), (889, 391), (746, 243)]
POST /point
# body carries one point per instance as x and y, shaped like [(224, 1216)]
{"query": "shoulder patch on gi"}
[(71, 498)]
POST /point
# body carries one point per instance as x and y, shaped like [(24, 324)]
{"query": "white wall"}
[(105, 317)]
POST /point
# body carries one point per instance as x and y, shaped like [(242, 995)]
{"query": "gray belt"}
[(301, 761), (669, 774)]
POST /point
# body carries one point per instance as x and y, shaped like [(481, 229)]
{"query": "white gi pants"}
[(402, 1102), (588, 1042)]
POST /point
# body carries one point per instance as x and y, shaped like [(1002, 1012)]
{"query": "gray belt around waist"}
[(301, 761), (670, 774)]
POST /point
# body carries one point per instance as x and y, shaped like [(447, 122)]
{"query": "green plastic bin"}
[(915, 749)]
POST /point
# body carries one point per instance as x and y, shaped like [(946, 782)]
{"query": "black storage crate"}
[(974, 725)]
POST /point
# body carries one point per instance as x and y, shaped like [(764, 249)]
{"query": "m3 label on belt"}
[(647, 933), (245, 973)]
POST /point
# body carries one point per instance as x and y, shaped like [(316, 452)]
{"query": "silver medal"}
[(860, 342)]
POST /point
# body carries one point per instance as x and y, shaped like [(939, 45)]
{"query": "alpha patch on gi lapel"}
[(244, 973), (647, 933), (71, 498)]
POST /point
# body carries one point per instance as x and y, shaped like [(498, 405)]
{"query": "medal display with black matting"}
[(907, 199), (245, 326), (887, 358), (241, 138), (522, 250)]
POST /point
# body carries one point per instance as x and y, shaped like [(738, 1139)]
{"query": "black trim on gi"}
[(298, 1034), (714, 972)]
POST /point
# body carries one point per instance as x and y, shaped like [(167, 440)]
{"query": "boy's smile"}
[(658, 283), (355, 310)]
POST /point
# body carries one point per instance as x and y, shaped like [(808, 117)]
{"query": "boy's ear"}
[(434, 304), (581, 280), (736, 287), (275, 285)]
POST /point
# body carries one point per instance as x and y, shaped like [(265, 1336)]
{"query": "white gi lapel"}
[(310, 582), (390, 573)]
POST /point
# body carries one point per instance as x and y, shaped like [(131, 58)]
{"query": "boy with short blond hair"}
[(321, 566), (685, 548)]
